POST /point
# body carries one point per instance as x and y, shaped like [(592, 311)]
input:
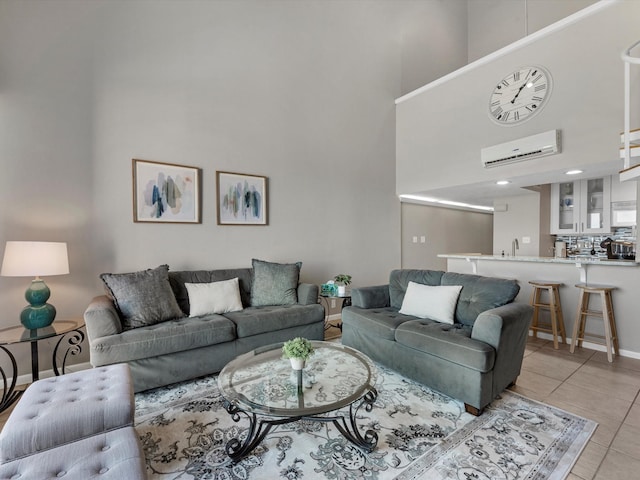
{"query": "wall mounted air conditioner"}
[(527, 148)]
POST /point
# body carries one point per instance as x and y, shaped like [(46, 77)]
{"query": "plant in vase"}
[(343, 280), (297, 351)]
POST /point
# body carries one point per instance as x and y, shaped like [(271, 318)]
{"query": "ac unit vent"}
[(527, 148)]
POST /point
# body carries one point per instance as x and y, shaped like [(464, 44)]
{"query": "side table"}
[(325, 300), (68, 331)]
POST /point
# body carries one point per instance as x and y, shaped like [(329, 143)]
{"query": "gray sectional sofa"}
[(144, 320), (472, 359)]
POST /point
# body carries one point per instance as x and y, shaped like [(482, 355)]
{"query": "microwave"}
[(623, 214)]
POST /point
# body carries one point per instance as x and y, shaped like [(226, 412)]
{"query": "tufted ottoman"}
[(110, 455), (80, 422)]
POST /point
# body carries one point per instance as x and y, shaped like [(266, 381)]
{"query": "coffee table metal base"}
[(260, 426)]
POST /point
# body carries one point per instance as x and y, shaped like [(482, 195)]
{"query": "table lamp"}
[(33, 259)]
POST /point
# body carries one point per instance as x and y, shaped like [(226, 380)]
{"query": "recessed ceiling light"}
[(573, 172), (503, 182)]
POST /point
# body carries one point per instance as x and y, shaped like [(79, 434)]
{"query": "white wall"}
[(302, 92), (450, 123), (494, 24), (445, 230), (520, 220)]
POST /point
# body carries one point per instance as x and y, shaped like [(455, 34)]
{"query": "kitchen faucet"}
[(514, 247)]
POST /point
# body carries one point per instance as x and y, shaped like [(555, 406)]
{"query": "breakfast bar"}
[(622, 274)]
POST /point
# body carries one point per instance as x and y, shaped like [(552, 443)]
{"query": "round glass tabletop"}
[(263, 382), (19, 334)]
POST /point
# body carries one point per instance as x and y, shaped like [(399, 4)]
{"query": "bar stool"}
[(554, 306), (610, 333)]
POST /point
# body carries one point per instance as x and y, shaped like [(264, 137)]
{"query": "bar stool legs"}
[(555, 310), (610, 333)]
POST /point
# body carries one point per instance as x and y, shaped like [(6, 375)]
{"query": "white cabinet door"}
[(595, 205), (581, 207), (565, 214)]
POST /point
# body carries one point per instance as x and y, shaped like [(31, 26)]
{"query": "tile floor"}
[(585, 384)]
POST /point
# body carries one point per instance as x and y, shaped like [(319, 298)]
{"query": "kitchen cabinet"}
[(622, 191), (581, 207)]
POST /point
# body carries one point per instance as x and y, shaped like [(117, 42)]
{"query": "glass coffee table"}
[(262, 386)]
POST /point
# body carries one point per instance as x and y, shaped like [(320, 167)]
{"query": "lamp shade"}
[(34, 259)]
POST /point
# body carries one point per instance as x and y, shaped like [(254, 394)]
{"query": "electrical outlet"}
[(423, 239), (526, 240), (415, 239)]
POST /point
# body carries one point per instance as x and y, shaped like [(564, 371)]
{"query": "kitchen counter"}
[(568, 271), (523, 258)]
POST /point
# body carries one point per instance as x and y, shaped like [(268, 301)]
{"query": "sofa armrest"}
[(376, 296), (101, 318), (503, 327), (307, 293)]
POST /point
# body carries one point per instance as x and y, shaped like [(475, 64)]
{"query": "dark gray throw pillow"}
[(274, 283), (142, 298)]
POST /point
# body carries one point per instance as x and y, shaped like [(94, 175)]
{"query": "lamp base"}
[(37, 317), (38, 314)]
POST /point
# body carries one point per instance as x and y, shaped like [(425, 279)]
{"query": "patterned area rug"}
[(422, 435)]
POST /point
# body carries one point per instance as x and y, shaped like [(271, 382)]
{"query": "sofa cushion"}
[(480, 294), (214, 297), (142, 298), (379, 322), (434, 302), (257, 320), (163, 338), (274, 283), (449, 342), (179, 278), (399, 281)]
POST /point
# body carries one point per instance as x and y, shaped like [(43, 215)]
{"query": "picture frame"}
[(242, 199), (166, 192)]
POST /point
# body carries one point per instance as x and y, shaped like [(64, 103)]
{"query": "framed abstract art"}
[(242, 199), (165, 193)]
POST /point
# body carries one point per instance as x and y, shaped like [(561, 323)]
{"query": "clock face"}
[(519, 95)]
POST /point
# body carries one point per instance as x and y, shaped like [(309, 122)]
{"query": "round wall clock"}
[(520, 95)]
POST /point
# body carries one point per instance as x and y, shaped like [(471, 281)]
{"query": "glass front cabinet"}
[(581, 207)]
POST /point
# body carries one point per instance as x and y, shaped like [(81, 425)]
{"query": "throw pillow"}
[(215, 297), (434, 302), (142, 298), (274, 283)]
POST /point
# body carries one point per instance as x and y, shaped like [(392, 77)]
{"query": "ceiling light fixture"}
[(573, 172), (503, 182)]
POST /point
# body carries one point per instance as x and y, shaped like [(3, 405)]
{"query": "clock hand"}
[(519, 90)]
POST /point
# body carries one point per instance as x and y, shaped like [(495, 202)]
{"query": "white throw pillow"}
[(434, 302), (216, 297)]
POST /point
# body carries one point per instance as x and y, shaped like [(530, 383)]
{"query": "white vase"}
[(342, 290), (297, 363)]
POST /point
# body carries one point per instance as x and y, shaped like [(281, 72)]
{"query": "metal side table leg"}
[(9, 393), (74, 340)]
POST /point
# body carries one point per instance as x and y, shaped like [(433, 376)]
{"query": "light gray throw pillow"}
[(142, 298), (274, 283)]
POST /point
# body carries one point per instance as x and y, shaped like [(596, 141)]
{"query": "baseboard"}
[(592, 346), (26, 379)]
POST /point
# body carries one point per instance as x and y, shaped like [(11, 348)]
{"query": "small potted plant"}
[(297, 351), (343, 280)]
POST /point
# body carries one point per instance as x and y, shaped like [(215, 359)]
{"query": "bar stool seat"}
[(610, 334), (554, 306)]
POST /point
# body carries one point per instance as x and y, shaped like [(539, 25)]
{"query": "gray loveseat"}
[(173, 347), (472, 360)]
